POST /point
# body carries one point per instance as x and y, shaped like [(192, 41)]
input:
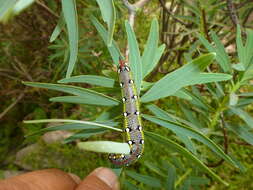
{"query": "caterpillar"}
[(132, 119)]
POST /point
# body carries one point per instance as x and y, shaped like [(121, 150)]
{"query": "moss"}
[(66, 157)]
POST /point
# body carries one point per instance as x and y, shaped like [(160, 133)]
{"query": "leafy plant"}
[(194, 104), (171, 84)]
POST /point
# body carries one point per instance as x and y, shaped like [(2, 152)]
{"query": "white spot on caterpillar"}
[(139, 156), (122, 156), (136, 113), (121, 84), (119, 70), (127, 129), (130, 142), (130, 81), (127, 68), (141, 141), (134, 97), (126, 114), (139, 127), (124, 99)]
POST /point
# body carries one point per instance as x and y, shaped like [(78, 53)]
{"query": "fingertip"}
[(100, 179), (75, 178)]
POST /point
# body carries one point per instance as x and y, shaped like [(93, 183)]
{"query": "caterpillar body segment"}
[(132, 119)]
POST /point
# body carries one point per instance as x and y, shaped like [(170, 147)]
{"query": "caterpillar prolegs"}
[(132, 119)]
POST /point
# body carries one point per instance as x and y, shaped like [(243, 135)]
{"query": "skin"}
[(54, 179)]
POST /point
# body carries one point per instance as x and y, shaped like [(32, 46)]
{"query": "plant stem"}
[(132, 8), (223, 105)]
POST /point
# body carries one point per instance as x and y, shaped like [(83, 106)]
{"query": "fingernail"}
[(75, 178), (108, 177)]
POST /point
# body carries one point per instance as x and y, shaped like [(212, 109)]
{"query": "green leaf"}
[(240, 47), (70, 16), (249, 47), (157, 55), (246, 94), (244, 102), (69, 126), (154, 168), (238, 67), (84, 134), (164, 115), (243, 115), (244, 52), (113, 49), (222, 57), (57, 30), (172, 82), (82, 94), (151, 54), (105, 146), (203, 78), (21, 5), (171, 178), (9, 8), (6, 9), (182, 93), (167, 116), (243, 132), (147, 180), (90, 79), (84, 100), (129, 185), (198, 101), (84, 123), (109, 16), (134, 57), (176, 127), (190, 116), (173, 145), (196, 181), (117, 171)]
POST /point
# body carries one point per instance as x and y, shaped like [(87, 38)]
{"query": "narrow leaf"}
[(173, 145), (171, 178), (243, 115), (172, 82), (113, 49), (86, 123), (147, 180), (222, 56), (243, 132), (176, 127), (161, 114), (151, 54), (70, 16), (239, 46), (134, 56), (203, 78), (21, 5), (105, 146), (5, 9), (78, 91), (90, 79), (89, 100), (57, 30), (129, 185), (109, 16), (84, 134)]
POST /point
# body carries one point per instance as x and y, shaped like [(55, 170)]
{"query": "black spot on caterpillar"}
[(132, 120)]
